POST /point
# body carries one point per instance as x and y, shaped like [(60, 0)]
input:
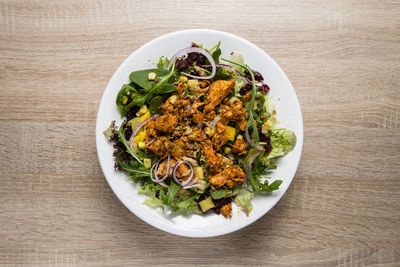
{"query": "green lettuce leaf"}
[(172, 190), (154, 203), (282, 141), (219, 193), (265, 187), (243, 200)]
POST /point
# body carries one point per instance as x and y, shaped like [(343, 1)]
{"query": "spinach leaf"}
[(165, 89), (126, 90), (155, 104), (140, 77)]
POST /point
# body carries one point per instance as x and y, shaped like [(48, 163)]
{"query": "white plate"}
[(288, 110)]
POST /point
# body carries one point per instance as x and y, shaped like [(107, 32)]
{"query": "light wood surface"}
[(343, 58)]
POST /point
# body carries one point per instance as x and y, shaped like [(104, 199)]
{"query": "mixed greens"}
[(199, 134)]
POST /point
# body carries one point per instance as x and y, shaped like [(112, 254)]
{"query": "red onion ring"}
[(192, 184), (140, 125), (187, 180), (167, 172), (214, 121), (249, 167), (195, 50), (151, 141), (155, 165), (155, 179), (247, 135)]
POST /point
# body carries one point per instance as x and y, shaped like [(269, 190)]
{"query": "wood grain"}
[(343, 58)]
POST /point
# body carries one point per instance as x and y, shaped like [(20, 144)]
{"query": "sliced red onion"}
[(249, 167), (226, 66), (215, 121), (167, 172), (188, 107), (192, 184), (187, 180), (155, 178), (155, 166), (251, 141), (140, 125), (195, 50), (151, 141)]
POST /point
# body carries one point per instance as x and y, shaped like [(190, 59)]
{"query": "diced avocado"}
[(147, 163), (206, 204), (198, 171), (134, 123)]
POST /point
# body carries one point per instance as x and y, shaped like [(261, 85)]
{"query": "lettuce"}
[(243, 200), (282, 141), (157, 198)]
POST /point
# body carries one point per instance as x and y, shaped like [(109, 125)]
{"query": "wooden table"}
[(343, 58)]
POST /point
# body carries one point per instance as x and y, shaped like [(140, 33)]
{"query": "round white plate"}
[(288, 112)]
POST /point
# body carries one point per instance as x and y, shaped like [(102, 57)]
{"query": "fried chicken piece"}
[(239, 147), (242, 124), (214, 160), (180, 89), (218, 90), (198, 117), (219, 138), (151, 129), (160, 147), (229, 177), (226, 209), (197, 136), (233, 112), (166, 123), (167, 107), (162, 168), (247, 97), (178, 149)]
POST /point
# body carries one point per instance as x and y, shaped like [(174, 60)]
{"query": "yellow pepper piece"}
[(230, 132), (136, 139), (145, 116), (141, 145), (183, 79)]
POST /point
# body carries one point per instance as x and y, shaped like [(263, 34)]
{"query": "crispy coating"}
[(167, 107), (160, 147), (242, 124), (247, 97), (162, 169), (229, 177), (219, 138), (151, 129), (214, 160), (197, 136), (240, 147), (178, 149), (218, 90), (166, 123), (226, 209), (180, 89), (233, 112)]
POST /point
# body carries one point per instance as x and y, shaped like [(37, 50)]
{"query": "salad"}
[(199, 132)]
